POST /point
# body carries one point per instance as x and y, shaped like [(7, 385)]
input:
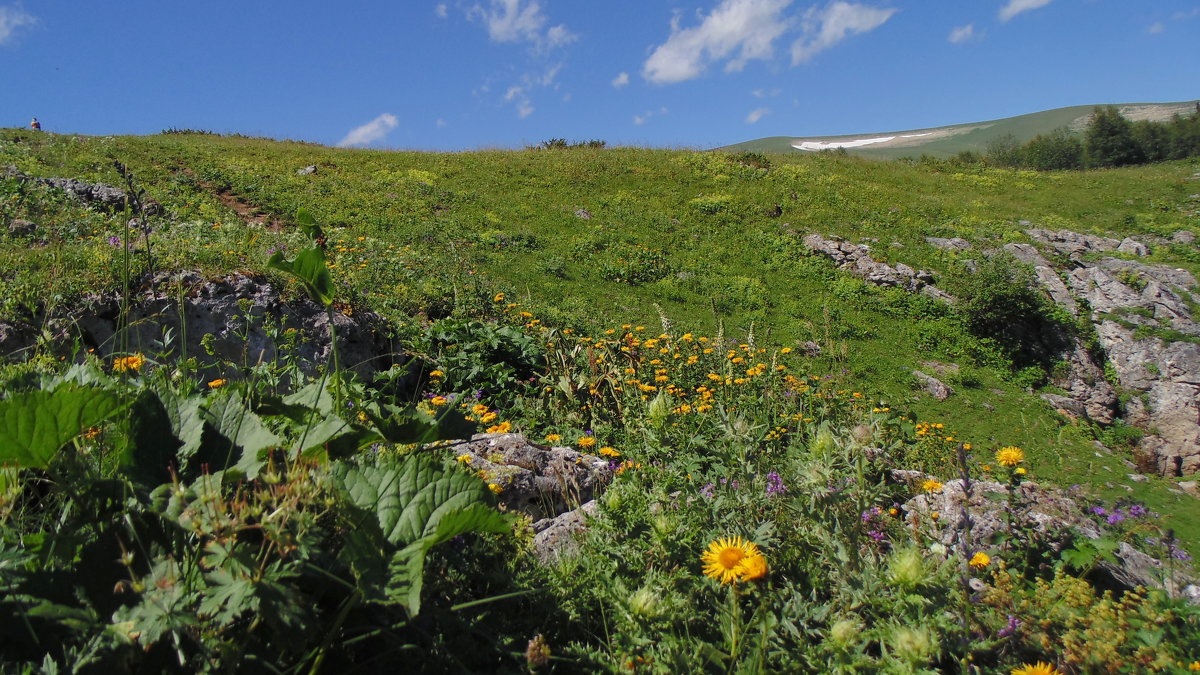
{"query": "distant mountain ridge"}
[(949, 140)]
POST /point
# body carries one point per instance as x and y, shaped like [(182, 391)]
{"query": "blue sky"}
[(469, 74)]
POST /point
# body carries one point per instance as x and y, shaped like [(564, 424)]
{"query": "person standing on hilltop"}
[(35, 125)]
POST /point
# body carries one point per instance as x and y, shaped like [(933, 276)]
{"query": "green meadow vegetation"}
[(654, 307)]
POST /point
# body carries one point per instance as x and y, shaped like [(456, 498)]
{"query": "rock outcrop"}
[(856, 259), (100, 195), (238, 318)]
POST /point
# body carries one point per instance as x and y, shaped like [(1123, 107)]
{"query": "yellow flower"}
[(553, 438), (502, 428), (126, 363), (495, 488), (1020, 471), (1194, 665), (464, 458), (438, 400), (586, 442), (609, 451), (931, 485), (1010, 456), (217, 383), (752, 568), (436, 373), (499, 298), (980, 560), (723, 559), (1039, 668)]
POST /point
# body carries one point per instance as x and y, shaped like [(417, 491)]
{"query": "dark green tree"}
[(1057, 150), (1109, 140), (1154, 138), (1004, 151), (1185, 136)]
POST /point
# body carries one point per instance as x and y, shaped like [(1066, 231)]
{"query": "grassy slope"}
[(980, 134), (416, 232)]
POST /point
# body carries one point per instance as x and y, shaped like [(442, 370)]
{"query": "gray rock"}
[(556, 537), (21, 228), (1027, 254), (307, 171), (1164, 274), (1073, 244), (856, 259), (933, 386), (953, 244), (1084, 382), (1065, 405), (1183, 237), (537, 480), (583, 214), (1133, 247)]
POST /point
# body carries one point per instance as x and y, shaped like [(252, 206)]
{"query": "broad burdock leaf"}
[(309, 268), (34, 425), (417, 504)]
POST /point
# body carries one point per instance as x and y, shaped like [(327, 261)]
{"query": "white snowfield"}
[(858, 143)]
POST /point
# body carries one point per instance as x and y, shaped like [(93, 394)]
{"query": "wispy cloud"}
[(520, 21), (743, 29), (643, 118), (757, 114), (1156, 28), (1015, 7), (962, 34), (520, 94), (369, 133), (1186, 15), (441, 11), (620, 80), (11, 19), (825, 28), (763, 93)]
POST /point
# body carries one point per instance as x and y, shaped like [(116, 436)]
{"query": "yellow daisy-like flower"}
[(1010, 456), (980, 560), (436, 373), (609, 451), (127, 363), (217, 383), (1194, 665), (931, 485), (502, 428), (499, 298), (438, 400), (753, 568), (1038, 668), (464, 458), (723, 559), (553, 438), (586, 442), (495, 488)]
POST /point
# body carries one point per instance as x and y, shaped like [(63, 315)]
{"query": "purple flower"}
[(775, 484), (707, 491), (876, 535), (1137, 511), (114, 241), (1115, 518), (1098, 511), (1011, 628)]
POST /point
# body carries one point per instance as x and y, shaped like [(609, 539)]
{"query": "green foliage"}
[(1060, 150), (36, 424), (1109, 140), (482, 357)]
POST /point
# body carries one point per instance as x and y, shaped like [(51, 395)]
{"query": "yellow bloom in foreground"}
[(464, 458), (126, 363), (609, 451), (553, 438), (1038, 668), (931, 485), (586, 442), (438, 400), (724, 557), (752, 568), (495, 488), (217, 383), (980, 560), (1010, 456), (436, 373)]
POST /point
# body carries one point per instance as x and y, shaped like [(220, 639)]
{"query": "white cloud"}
[(838, 21), (520, 94), (641, 119), (12, 18), (763, 93), (756, 115), (441, 11), (962, 34), (743, 29), (1186, 15), (372, 131), (1015, 7), (441, 123), (520, 21), (620, 80), (1156, 28)]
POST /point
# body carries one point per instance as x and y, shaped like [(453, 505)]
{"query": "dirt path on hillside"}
[(248, 212)]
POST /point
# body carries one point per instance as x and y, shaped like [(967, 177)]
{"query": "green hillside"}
[(950, 140), (658, 310)]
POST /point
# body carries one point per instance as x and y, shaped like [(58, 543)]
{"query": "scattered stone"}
[(555, 537), (954, 244), (1190, 487), (1137, 477), (21, 228), (583, 213), (307, 171), (1183, 237), (94, 194), (933, 386), (810, 348), (1073, 244), (1133, 247), (856, 259), (1067, 407)]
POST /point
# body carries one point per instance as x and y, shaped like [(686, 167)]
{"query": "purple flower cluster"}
[(875, 522), (1120, 514), (775, 484), (1011, 628)]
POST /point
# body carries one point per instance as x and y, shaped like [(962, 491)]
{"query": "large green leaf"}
[(34, 425), (151, 444), (308, 223), (241, 437), (308, 267), (417, 504)]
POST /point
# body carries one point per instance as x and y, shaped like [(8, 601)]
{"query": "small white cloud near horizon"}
[(1015, 7), (12, 18), (763, 93), (825, 28), (620, 80), (757, 114), (520, 21), (744, 29), (962, 34), (1156, 28), (371, 132)]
